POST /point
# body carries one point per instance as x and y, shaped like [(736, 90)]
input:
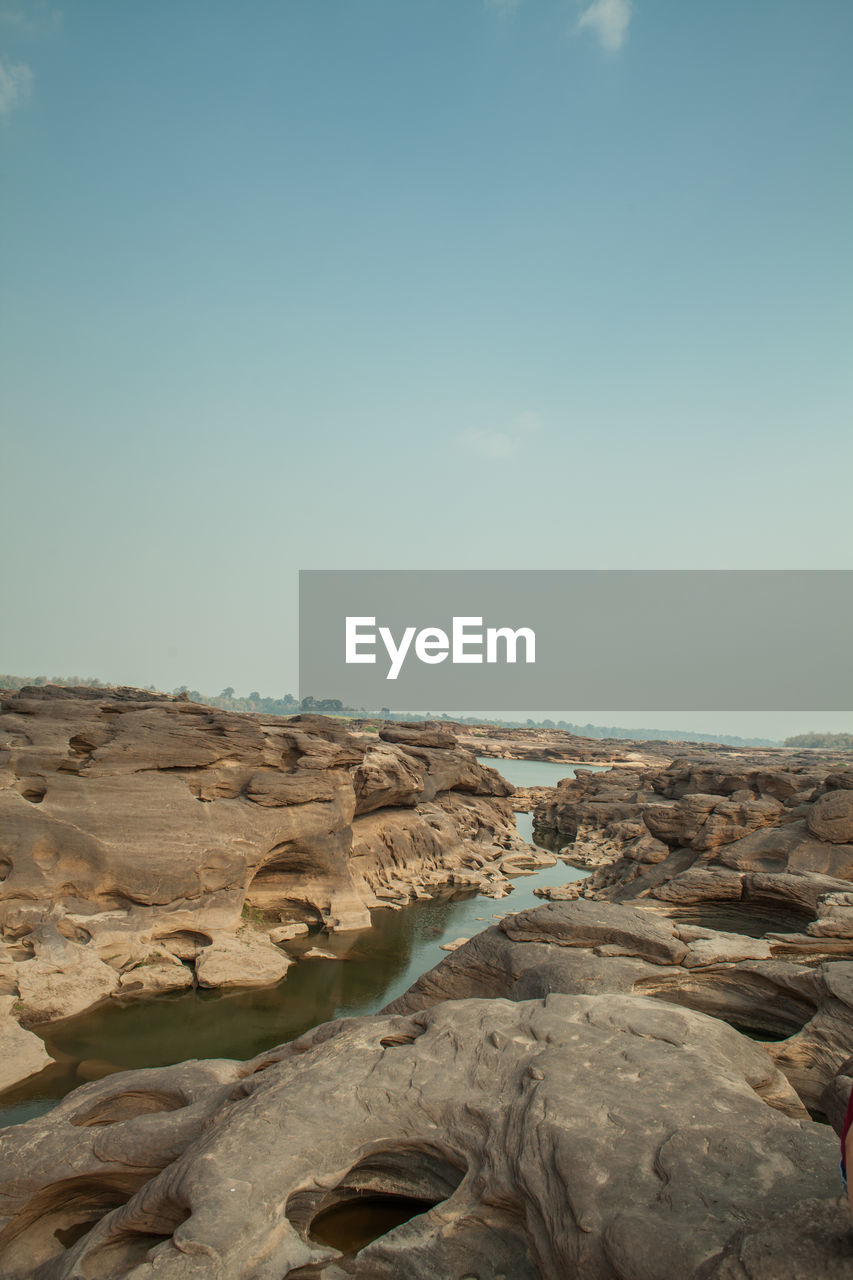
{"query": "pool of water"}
[(538, 773), (371, 968)]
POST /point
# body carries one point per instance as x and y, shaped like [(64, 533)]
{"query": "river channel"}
[(371, 968)]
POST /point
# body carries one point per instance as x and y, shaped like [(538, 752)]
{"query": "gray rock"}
[(530, 1140)]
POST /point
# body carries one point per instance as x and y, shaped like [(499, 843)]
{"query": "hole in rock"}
[(752, 1033), (5, 868), (184, 943), (351, 1224), (383, 1190), (32, 789), (278, 889), (398, 1038), (127, 1106)]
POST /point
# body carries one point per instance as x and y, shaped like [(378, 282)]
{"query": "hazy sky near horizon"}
[(438, 284)]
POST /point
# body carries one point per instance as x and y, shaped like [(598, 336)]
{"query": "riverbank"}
[(367, 969), (150, 846)]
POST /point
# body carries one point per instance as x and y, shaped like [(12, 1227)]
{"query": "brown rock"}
[(142, 824), (245, 961), (61, 979), (22, 1053), (831, 817), (425, 734)]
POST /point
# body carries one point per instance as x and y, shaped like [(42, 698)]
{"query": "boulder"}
[(424, 734), (286, 933), (521, 1139), (158, 972), (831, 817), (62, 978), (805, 1010), (22, 1053), (249, 960)]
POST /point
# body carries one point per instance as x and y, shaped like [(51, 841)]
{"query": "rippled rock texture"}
[(609, 1137), (147, 842), (747, 871)]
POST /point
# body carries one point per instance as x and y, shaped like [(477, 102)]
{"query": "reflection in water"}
[(375, 966)]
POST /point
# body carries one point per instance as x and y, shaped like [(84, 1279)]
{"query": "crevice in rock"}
[(746, 1000), (59, 1215), (127, 1106), (184, 943), (747, 916), (129, 1246)]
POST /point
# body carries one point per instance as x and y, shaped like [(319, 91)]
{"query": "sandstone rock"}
[(808, 1238), (560, 893), (61, 979), (526, 861), (718, 947), (831, 817), (139, 823), (245, 961), (585, 924), (157, 973), (455, 945), (425, 734), (286, 933), (385, 777), (842, 780), (529, 1139), (805, 1010), (317, 953), (22, 1053), (836, 1095)]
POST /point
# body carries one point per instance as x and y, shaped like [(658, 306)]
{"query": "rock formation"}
[(629, 1085), (602, 1136), (147, 842), (725, 890)]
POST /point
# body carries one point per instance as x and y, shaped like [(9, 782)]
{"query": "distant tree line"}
[(836, 741), (87, 682), (288, 705)]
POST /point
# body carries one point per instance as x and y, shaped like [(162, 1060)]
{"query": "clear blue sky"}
[(386, 283)]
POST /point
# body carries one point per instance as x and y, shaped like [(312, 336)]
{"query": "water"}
[(373, 967), (538, 773)]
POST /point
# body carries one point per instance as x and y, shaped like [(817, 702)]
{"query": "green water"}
[(371, 968)]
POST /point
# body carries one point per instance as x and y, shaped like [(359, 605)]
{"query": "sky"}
[(431, 284)]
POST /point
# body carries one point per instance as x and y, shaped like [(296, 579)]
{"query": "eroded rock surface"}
[(147, 842), (22, 1054), (803, 1012), (534, 1140)]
